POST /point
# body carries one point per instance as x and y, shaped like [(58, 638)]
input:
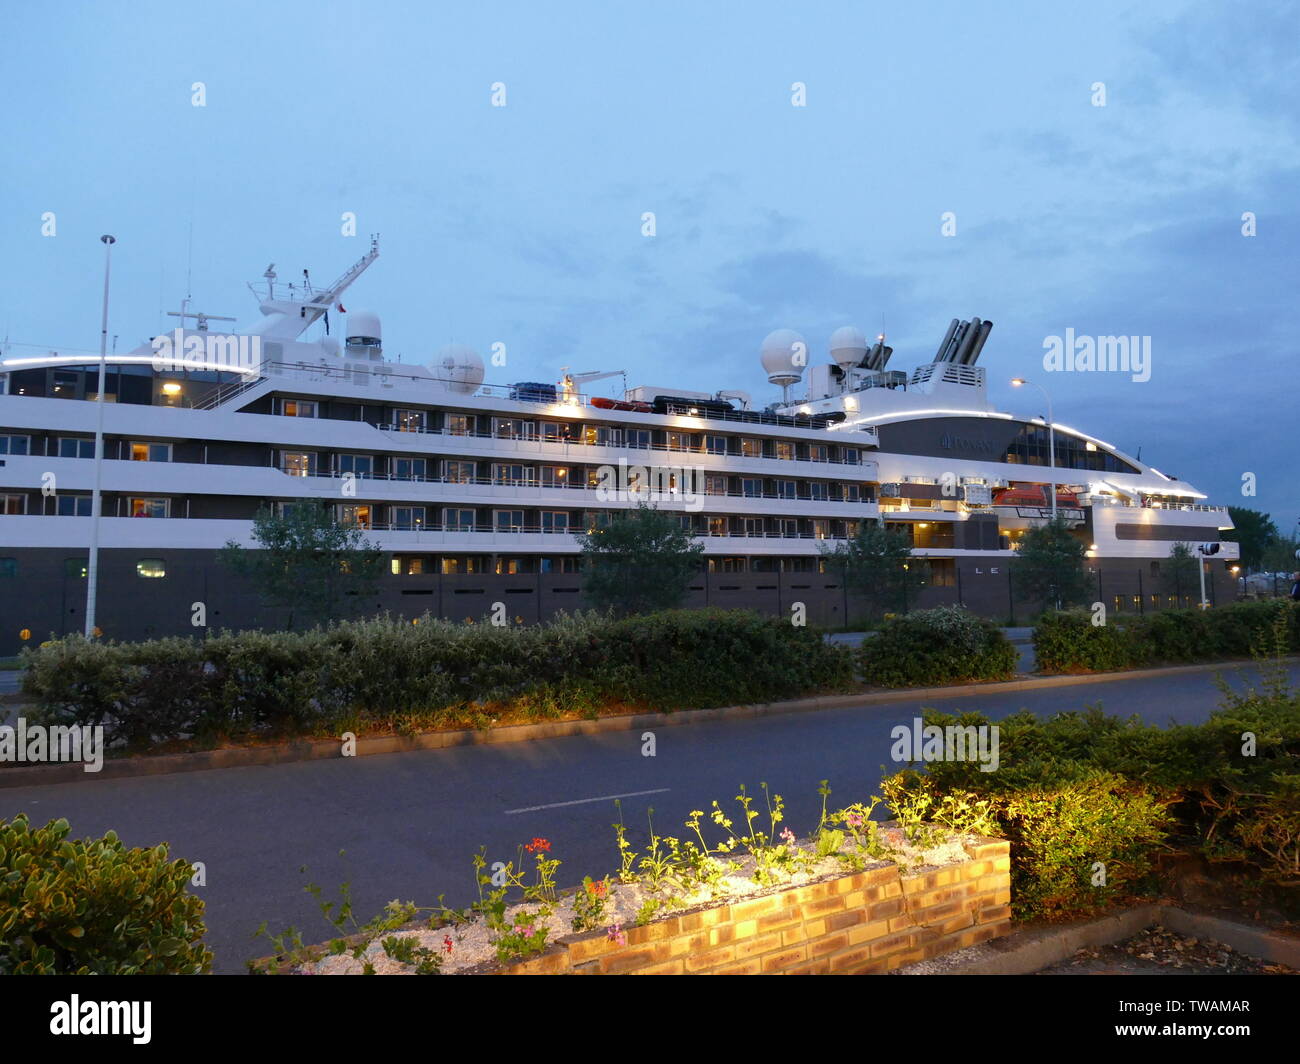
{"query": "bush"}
[(936, 646), (1085, 788), (93, 907), (387, 673), (1069, 642)]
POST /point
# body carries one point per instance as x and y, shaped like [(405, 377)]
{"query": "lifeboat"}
[(1032, 495), (601, 403)]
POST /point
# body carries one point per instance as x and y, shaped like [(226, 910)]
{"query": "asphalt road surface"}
[(409, 823)]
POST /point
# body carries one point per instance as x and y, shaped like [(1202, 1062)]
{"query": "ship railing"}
[(572, 530), (618, 443), (558, 485), (223, 393)]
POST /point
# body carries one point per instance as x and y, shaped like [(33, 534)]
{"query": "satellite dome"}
[(460, 366), (848, 346), (784, 355), (363, 328)]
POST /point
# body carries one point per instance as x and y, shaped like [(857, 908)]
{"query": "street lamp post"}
[(92, 564), (1051, 436)]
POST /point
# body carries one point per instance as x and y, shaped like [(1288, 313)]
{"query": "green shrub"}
[(936, 646), (1069, 642), (387, 673), (94, 907), (1084, 789)]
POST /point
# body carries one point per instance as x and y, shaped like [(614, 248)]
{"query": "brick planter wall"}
[(861, 923)]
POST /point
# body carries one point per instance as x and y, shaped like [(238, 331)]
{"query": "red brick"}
[(775, 962), (837, 921)]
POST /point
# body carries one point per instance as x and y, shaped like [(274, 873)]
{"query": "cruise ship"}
[(477, 492)]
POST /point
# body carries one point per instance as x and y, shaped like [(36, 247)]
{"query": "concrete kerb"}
[(320, 749), (1032, 949)]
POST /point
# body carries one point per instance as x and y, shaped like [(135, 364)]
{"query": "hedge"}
[(1083, 791), (1069, 641), (944, 645), (386, 674), (94, 907)]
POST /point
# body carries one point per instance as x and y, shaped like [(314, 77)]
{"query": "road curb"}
[(321, 749), (1031, 950)]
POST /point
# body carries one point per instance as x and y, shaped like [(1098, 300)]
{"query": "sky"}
[(524, 224)]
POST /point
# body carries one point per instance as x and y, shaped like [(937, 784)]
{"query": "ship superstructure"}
[(476, 491)]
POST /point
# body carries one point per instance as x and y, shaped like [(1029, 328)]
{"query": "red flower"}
[(598, 888), (446, 944), (538, 844)]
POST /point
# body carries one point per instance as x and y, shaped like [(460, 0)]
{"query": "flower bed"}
[(862, 923), (856, 896)]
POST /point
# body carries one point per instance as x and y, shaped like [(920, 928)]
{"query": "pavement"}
[(408, 823)]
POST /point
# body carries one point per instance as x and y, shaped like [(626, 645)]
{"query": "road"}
[(409, 823)]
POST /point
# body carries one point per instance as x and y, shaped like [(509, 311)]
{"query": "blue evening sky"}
[(522, 224)]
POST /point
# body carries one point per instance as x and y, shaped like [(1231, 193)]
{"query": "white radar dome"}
[(848, 346), (460, 366), (784, 355), (363, 328)]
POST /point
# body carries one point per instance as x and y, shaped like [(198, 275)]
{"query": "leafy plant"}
[(94, 907)]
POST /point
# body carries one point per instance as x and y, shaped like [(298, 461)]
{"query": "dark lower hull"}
[(44, 598)]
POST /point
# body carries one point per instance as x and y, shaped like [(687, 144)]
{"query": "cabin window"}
[(151, 452), (16, 444), (358, 515), (458, 472), (408, 518), (149, 507), (73, 505), (409, 468), (298, 407), (409, 420), (298, 463), (151, 568), (71, 447)]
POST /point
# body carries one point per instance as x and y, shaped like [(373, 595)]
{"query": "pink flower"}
[(854, 820), (617, 935), (788, 836)]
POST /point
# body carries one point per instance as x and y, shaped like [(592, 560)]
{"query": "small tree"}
[(1178, 575), (1280, 555), (1253, 531), (877, 564), (1049, 566), (306, 561), (641, 561)]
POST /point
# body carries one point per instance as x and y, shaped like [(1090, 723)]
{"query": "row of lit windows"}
[(78, 568), (458, 519), (1032, 444), (80, 447), (517, 428), (459, 471), (80, 506)]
